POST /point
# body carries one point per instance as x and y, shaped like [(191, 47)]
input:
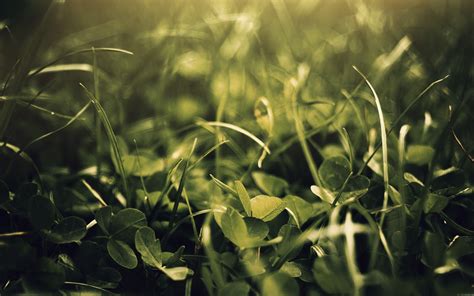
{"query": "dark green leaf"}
[(257, 230), (434, 203), (122, 253), (68, 230), (433, 249), (125, 223), (334, 171), (103, 217)]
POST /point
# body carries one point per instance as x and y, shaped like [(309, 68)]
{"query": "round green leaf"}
[(334, 171), (125, 223), (68, 230), (122, 253)]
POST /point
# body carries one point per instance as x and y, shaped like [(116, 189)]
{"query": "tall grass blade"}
[(112, 138)]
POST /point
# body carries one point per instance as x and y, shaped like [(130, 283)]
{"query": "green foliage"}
[(236, 151)]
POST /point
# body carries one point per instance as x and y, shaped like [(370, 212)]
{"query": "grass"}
[(233, 150)]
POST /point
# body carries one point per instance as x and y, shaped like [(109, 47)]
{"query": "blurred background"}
[(215, 60)]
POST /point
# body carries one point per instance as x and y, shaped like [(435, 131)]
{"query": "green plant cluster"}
[(236, 147)]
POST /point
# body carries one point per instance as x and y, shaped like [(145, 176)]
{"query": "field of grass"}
[(233, 147)]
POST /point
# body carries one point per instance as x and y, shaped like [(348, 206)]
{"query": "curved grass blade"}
[(99, 49), (237, 129), (112, 138), (399, 118), (383, 135)]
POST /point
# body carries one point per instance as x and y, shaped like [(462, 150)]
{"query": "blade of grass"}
[(73, 53), (383, 135), (237, 129), (112, 138), (302, 139), (71, 121), (95, 194), (179, 192), (399, 118), (98, 131), (21, 70), (166, 189)]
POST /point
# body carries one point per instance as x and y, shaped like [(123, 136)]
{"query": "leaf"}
[(323, 194), (324, 270), (173, 259), (434, 203), (122, 253), (460, 246), (238, 288), (269, 184), (410, 178), (266, 207), (41, 212), (46, 275), (68, 230), (244, 197), (257, 230), (103, 217), (433, 250), (143, 165), (299, 207), (292, 269), (125, 223), (148, 246), (104, 277), (233, 226), (177, 273), (287, 247), (334, 171), (419, 154), (279, 284)]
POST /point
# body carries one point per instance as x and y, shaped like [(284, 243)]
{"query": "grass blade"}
[(112, 138), (383, 135), (237, 129)]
